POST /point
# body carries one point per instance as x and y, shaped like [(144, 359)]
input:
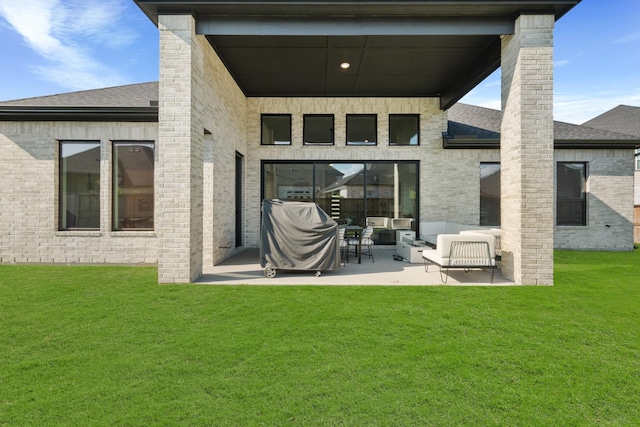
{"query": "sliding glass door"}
[(350, 192)]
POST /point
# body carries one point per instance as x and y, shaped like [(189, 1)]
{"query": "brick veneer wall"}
[(527, 151), (30, 191), (609, 201), (449, 179), (201, 127)]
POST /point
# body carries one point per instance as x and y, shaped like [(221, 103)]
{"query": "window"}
[(349, 191), (318, 129), (275, 129), (638, 159), (362, 129), (490, 194), (79, 203), (404, 129), (571, 202), (133, 190)]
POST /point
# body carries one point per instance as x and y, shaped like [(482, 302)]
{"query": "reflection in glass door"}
[(340, 191), (351, 192)]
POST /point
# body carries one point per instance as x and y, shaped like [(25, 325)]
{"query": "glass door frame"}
[(416, 218)]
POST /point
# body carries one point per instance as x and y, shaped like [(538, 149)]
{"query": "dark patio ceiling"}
[(394, 48)]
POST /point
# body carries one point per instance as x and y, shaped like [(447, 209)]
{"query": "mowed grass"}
[(107, 346)]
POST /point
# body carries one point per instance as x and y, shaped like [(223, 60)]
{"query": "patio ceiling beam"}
[(351, 26)]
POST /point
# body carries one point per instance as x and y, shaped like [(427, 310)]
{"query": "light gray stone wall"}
[(449, 179), (30, 192), (202, 126), (180, 166), (609, 201), (224, 116), (527, 151)]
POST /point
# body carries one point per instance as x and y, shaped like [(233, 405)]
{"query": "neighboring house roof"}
[(623, 118), (478, 127), (135, 102)]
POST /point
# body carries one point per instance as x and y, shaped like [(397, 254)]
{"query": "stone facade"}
[(437, 183), (609, 202), (30, 193), (206, 123), (527, 151)]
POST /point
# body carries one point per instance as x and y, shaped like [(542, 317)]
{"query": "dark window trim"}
[(418, 163), (585, 174), (262, 116), (375, 118), (61, 183), (333, 129), (499, 197), (417, 116), (114, 186)]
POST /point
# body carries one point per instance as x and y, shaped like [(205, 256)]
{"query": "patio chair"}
[(365, 241), (343, 245)]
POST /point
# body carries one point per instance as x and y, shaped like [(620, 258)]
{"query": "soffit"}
[(394, 48)]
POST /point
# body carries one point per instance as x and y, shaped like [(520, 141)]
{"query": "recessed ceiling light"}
[(345, 65)]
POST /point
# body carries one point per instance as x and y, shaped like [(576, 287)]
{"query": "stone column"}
[(180, 145), (526, 151)]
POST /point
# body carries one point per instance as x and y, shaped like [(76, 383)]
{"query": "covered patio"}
[(226, 64), (244, 269)]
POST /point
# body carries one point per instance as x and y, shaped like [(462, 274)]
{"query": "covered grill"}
[(297, 236)]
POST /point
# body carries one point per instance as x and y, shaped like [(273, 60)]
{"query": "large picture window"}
[(571, 199), (350, 192), (490, 194), (133, 185), (79, 202)]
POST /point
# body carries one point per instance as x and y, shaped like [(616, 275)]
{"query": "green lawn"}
[(108, 346)]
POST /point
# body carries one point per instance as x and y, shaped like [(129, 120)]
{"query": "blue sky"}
[(56, 46)]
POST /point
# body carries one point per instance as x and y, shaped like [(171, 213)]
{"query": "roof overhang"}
[(79, 114), (449, 142), (395, 48)]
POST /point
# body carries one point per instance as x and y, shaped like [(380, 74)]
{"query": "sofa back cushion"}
[(443, 245)]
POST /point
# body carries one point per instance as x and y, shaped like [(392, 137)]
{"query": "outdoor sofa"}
[(461, 251)]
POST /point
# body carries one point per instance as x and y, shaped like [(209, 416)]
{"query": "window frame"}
[(363, 143), (62, 183), (305, 128), (584, 210), (274, 115), (499, 198), (115, 217), (417, 117)]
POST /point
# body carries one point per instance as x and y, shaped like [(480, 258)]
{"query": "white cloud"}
[(628, 38), (70, 36), (579, 109), (560, 63)]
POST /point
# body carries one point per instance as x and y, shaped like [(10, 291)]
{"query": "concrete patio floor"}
[(244, 269)]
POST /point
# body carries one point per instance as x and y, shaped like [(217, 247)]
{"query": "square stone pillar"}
[(180, 146), (526, 151)]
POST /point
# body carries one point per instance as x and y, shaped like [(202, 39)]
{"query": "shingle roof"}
[(465, 119), (623, 118), (134, 95)]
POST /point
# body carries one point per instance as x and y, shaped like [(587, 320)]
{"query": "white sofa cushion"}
[(441, 254)]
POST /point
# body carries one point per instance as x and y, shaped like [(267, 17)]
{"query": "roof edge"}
[(450, 143), (84, 114)]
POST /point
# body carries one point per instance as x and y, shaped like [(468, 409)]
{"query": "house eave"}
[(79, 114), (450, 143)]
